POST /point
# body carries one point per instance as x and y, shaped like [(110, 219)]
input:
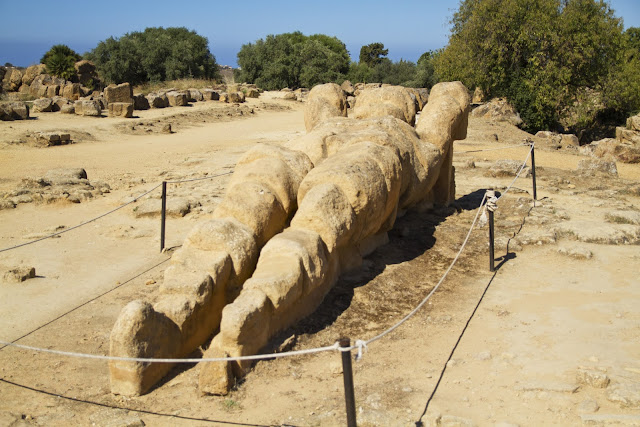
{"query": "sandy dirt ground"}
[(552, 337)]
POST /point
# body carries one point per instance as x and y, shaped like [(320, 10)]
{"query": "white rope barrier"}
[(492, 149), (199, 179), (524, 164), (360, 345)]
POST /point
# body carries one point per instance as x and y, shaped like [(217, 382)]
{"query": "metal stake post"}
[(491, 200), (163, 214), (347, 373), (533, 172)]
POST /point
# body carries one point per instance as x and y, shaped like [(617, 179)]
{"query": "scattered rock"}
[(43, 105), (118, 93), (453, 421), (167, 128), (623, 217), (89, 108), (625, 394), (504, 167), (551, 387), (576, 252), (593, 378), (120, 109), (610, 419), (19, 274), (498, 109), (588, 406), (593, 167), (176, 207), (613, 149)]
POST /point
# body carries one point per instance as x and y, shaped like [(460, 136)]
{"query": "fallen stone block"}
[(120, 109)]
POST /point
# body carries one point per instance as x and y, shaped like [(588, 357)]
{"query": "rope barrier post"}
[(163, 214), (533, 171), (491, 200), (347, 373)]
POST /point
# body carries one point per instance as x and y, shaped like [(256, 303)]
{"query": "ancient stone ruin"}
[(295, 216)]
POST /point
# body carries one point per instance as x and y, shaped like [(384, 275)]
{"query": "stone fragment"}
[(157, 101), (177, 99), (88, 108), (120, 109), (210, 95), (118, 93), (139, 323), (588, 406), (614, 149), (71, 91), (43, 105), (498, 109), (19, 274), (215, 377), (235, 97), (177, 207), (140, 102), (32, 72), (592, 167), (626, 394), (593, 378)]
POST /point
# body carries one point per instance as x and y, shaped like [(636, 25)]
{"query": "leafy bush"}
[(293, 60), (539, 53), (156, 54), (60, 61)]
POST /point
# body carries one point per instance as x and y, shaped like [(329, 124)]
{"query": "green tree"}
[(60, 61), (539, 53), (373, 54), (293, 60), (156, 54)]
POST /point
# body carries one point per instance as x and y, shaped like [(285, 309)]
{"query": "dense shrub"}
[(156, 54), (541, 54), (293, 60), (60, 61)]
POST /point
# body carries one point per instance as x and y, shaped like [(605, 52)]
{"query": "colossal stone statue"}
[(294, 217)]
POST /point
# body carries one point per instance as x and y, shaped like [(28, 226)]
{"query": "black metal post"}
[(490, 207), (163, 214), (347, 373), (533, 172)]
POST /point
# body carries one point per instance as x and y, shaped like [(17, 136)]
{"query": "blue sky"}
[(407, 28)]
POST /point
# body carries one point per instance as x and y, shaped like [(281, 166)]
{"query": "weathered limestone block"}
[(177, 99), (252, 93), (392, 101), (118, 93), (71, 91), (158, 101), (120, 109), (139, 322), (88, 108), (140, 102), (195, 95), (327, 100), (32, 72), (43, 105), (210, 95), (235, 97)]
